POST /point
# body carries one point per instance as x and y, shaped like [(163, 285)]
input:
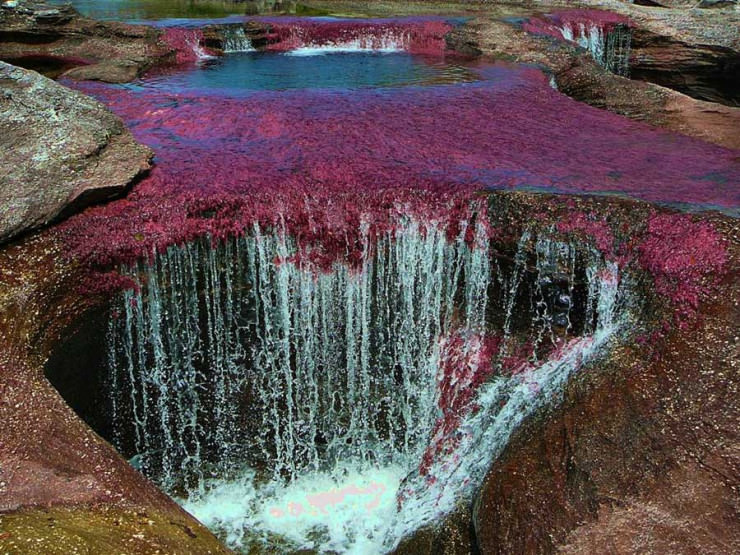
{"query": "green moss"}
[(103, 530)]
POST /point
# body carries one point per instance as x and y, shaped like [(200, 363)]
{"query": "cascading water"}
[(606, 35), (389, 43), (344, 410), (187, 44), (609, 47), (236, 40), (301, 37)]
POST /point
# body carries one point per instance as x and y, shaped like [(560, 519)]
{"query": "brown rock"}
[(452, 536), (704, 71), (61, 151), (109, 71), (44, 37), (642, 456)]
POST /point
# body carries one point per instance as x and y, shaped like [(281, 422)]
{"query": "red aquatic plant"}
[(685, 257), (186, 43), (336, 168), (590, 228), (421, 36), (465, 364)]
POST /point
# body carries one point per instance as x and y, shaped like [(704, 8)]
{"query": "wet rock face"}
[(59, 151), (706, 72), (641, 456)]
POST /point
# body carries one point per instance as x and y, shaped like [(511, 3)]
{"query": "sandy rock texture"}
[(61, 151)]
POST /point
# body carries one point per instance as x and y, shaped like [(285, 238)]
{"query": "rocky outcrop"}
[(53, 39), (706, 72), (642, 455), (576, 74), (60, 151), (62, 488)]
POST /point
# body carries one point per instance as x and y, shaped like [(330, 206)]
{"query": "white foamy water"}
[(385, 46), (348, 510)]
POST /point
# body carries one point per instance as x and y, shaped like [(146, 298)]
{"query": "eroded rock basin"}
[(340, 410)]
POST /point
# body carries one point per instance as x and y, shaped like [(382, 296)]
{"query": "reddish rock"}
[(642, 456), (46, 37), (62, 488)]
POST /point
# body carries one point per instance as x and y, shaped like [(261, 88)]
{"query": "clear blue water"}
[(255, 71)]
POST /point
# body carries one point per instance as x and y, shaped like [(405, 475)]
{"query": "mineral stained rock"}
[(60, 151)]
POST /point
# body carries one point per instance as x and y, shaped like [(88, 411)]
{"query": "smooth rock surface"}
[(59, 151)]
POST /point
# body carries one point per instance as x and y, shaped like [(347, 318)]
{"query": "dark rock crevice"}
[(704, 72), (625, 443)]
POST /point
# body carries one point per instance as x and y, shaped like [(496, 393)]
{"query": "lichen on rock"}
[(61, 151)]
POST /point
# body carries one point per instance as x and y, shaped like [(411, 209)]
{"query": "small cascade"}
[(606, 35), (285, 405), (617, 52), (610, 47), (187, 44), (236, 40), (317, 37)]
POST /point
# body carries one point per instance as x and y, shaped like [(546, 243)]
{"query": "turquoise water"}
[(254, 71)]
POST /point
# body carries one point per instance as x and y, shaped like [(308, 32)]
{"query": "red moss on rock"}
[(686, 259), (320, 163), (465, 364), (186, 43), (595, 230)]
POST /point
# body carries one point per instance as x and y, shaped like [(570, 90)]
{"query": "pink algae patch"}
[(597, 231), (186, 43), (322, 165), (686, 259), (465, 364)]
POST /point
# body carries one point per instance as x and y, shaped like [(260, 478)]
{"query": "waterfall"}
[(236, 40), (342, 410), (307, 37), (186, 43), (392, 42), (609, 47)]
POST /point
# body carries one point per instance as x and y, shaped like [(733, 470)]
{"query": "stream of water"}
[(318, 349)]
